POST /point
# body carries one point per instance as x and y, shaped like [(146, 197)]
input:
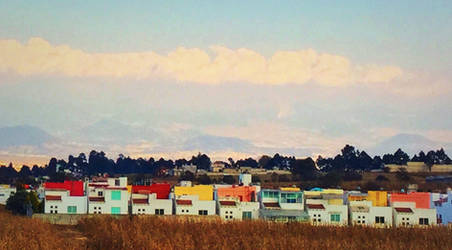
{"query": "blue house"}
[(443, 205)]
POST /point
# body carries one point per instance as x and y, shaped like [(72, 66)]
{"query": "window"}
[(379, 219), (115, 195), (117, 183), (100, 193), (72, 209), (51, 206), (159, 211), (202, 212), (246, 215), (270, 194), (423, 221), (335, 217), (115, 210), (291, 197)]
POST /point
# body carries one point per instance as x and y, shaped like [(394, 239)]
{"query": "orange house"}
[(421, 199), (243, 193)]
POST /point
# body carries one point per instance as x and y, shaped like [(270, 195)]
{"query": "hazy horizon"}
[(148, 78)]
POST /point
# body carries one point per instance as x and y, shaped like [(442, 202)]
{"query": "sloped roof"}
[(75, 188), (53, 197), (227, 203), (403, 210), (184, 202), (315, 206)]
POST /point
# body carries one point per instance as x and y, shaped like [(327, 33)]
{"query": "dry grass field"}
[(105, 232)]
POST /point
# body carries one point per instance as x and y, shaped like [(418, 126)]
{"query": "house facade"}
[(326, 207), (153, 199), (67, 197), (370, 209), (284, 204), (412, 209), (443, 205), (238, 202), (194, 200), (108, 196)]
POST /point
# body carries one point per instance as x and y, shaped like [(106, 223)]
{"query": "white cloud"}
[(38, 57)]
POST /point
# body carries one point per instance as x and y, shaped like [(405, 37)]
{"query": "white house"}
[(234, 209), (153, 199), (108, 196), (326, 207), (364, 213), (406, 214), (67, 197), (5, 192), (192, 205)]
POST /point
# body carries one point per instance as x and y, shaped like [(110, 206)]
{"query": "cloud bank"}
[(218, 65)]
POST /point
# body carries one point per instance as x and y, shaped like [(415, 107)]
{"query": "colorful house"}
[(194, 200), (238, 202), (443, 205), (108, 196), (326, 206), (5, 192), (284, 204), (66, 197), (369, 209), (152, 199), (412, 209)]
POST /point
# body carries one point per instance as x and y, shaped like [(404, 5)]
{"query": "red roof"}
[(161, 189), (100, 199), (271, 204), (140, 201), (316, 206), (403, 209), (75, 188), (227, 203), (183, 202), (53, 197)]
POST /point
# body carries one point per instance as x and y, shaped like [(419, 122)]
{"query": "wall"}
[(205, 192), (421, 199), (5, 192)]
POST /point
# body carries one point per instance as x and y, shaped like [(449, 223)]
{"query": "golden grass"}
[(171, 233)]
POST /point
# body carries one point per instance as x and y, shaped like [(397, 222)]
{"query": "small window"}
[(51, 206), (100, 193), (335, 217), (115, 210), (379, 219), (117, 183), (116, 195), (159, 212), (246, 215), (202, 212), (72, 209), (423, 221)]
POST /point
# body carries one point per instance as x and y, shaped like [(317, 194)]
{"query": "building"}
[(153, 199), (5, 192), (238, 202), (194, 200), (443, 205), (284, 204), (326, 207), (412, 209), (66, 197), (370, 209), (108, 196)]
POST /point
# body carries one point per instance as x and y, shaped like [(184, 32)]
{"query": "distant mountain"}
[(209, 143), (410, 143), (23, 136)]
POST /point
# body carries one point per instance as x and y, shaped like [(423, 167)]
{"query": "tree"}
[(204, 179), (402, 175), (202, 161), (264, 161), (18, 203), (381, 178), (331, 180), (304, 168), (187, 176), (229, 179), (400, 157), (249, 162)]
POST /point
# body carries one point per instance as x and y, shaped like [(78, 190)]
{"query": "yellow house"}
[(378, 198), (290, 189), (334, 196), (205, 192)]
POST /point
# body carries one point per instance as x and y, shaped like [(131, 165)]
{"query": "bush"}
[(381, 178)]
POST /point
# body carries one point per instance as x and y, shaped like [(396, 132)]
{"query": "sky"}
[(171, 78)]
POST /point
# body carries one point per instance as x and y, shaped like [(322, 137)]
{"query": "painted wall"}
[(204, 192), (443, 205), (421, 199), (61, 206), (243, 193)]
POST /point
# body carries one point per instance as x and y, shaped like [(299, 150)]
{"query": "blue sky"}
[(318, 73)]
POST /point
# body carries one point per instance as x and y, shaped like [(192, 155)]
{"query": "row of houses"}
[(318, 206)]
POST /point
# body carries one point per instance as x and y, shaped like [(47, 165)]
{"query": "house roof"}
[(162, 190), (403, 210), (227, 203), (53, 197), (140, 201), (271, 204), (184, 202), (315, 206), (75, 188), (98, 199)]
